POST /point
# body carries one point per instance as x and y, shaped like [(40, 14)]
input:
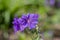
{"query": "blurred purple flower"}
[(29, 20), (19, 24), (52, 2)]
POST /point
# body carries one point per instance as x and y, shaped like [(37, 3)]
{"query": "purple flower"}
[(19, 24), (52, 2), (29, 20)]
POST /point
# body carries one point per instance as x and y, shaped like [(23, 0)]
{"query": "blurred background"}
[(49, 20)]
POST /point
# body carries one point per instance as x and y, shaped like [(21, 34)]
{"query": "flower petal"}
[(32, 26), (15, 28)]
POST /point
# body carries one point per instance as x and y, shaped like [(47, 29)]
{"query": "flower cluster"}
[(26, 20)]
